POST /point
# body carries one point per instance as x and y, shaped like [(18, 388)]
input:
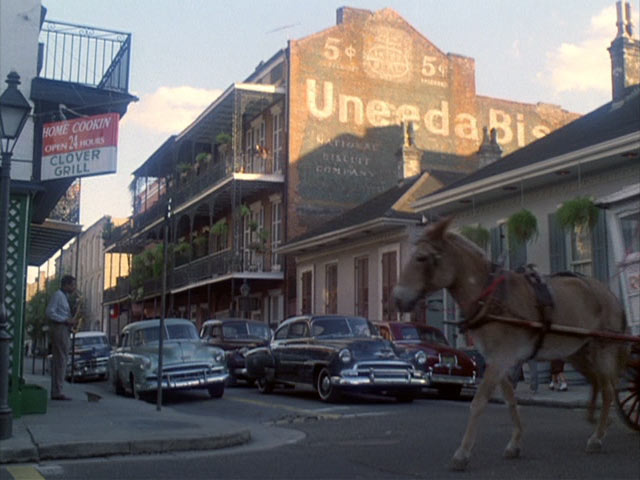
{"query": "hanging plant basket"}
[(523, 226), (579, 212), (220, 227), (477, 234)]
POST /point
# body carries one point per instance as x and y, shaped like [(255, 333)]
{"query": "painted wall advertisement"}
[(80, 147)]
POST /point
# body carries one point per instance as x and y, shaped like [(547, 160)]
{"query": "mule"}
[(446, 260)]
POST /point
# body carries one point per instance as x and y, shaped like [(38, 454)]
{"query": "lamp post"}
[(14, 110)]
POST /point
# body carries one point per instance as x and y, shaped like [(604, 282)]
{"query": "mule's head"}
[(430, 267)]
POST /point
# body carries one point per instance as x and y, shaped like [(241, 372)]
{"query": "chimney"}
[(349, 15), (625, 54), (409, 164), (489, 150)]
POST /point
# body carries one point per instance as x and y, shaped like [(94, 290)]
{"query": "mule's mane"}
[(466, 244)]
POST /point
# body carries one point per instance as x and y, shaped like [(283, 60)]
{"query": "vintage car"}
[(187, 362), (89, 352), (447, 369), (236, 336), (335, 354)]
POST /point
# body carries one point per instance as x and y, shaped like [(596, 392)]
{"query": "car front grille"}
[(382, 371)]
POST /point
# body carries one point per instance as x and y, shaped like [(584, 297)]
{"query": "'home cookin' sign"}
[(80, 147)]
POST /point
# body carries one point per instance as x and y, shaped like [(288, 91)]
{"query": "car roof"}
[(219, 321), (154, 323), (318, 316), (402, 324), (90, 334)]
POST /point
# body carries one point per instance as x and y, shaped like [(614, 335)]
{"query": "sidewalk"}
[(121, 426), (112, 425)]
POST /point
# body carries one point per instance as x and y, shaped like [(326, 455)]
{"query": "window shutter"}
[(517, 254), (557, 246), (495, 244), (599, 242)]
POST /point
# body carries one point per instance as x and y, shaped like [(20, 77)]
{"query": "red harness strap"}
[(490, 290)]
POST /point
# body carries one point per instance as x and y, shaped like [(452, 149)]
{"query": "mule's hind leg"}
[(513, 447), (492, 376), (594, 444)]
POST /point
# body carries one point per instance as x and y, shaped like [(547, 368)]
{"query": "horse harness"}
[(490, 301)]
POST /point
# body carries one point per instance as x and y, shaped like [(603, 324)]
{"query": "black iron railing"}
[(86, 55)]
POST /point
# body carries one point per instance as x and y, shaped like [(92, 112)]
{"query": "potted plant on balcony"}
[(578, 213), (259, 245), (183, 169), (202, 160), (107, 230), (201, 242), (220, 228), (223, 140), (477, 234), (182, 248), (244, 210), (522, 226)]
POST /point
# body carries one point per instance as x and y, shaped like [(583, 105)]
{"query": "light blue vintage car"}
[(187, 362)]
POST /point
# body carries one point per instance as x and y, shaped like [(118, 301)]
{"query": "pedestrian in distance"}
[(61, 320), (558, 380)]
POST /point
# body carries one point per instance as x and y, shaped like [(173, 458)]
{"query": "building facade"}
[(310, 134), (52, 74)]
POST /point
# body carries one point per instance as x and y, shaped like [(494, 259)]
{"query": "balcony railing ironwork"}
[(191, 184), (87, 55)]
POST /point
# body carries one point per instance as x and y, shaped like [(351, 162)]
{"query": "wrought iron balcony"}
[(86, 55)]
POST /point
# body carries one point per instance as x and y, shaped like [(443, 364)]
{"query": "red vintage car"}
[(448, 369)]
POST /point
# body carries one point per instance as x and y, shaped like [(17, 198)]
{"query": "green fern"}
[(523, 226), (578, 212)]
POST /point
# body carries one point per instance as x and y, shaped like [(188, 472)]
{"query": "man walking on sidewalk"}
[(61, 321)]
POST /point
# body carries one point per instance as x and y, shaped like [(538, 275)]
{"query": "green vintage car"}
[(187, 361)]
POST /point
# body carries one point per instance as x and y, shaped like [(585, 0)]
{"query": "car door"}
[(290, 352)]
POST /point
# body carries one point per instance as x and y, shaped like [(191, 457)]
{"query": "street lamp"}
[(14, 111)]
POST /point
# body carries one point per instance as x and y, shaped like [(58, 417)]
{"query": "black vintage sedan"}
[(336, 354), (236, 336)]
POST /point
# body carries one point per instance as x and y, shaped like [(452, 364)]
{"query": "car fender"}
[(258, 360)]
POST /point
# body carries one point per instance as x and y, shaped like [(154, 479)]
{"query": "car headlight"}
[(345, 355), (145, 362), (420, 357), (219, 356)]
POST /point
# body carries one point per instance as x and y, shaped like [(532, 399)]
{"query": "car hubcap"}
[(325, 384)]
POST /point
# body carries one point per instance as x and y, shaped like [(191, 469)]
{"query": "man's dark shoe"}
[(60, 397)]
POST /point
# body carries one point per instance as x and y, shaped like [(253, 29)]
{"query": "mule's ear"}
[(437, 230)]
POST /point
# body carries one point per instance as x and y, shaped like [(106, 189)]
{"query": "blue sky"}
[(186, 52)]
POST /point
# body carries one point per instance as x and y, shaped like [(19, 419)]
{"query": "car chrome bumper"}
[(178, 381), (88, 369), (381, 379), (435, 378)]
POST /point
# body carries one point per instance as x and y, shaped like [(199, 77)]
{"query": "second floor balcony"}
[(89, 56)]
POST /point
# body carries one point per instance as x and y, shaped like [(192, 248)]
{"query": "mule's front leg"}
[(594, 445), (491, 379), (513, 447)]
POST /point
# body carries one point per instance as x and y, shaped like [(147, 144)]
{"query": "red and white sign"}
[(80, 147)]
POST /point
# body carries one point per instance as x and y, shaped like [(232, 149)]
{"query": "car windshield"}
[(245, 331), (340, 327), (97, 341), (411, 332), (180, 331)]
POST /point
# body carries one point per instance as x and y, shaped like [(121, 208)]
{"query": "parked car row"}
[(333, 354)]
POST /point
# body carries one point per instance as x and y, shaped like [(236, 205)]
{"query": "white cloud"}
[(169, 109), (584, 65)]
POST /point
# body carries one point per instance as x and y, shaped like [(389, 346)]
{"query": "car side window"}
[(138, 338), (386, 334), (281, 334), (298, 330), (124, 339)]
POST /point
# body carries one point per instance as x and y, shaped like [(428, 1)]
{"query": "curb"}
[(36, 453)]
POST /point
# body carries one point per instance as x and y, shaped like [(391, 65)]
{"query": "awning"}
[(47, 238)]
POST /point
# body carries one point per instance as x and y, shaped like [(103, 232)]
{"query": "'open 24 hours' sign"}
[(80, 147)]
